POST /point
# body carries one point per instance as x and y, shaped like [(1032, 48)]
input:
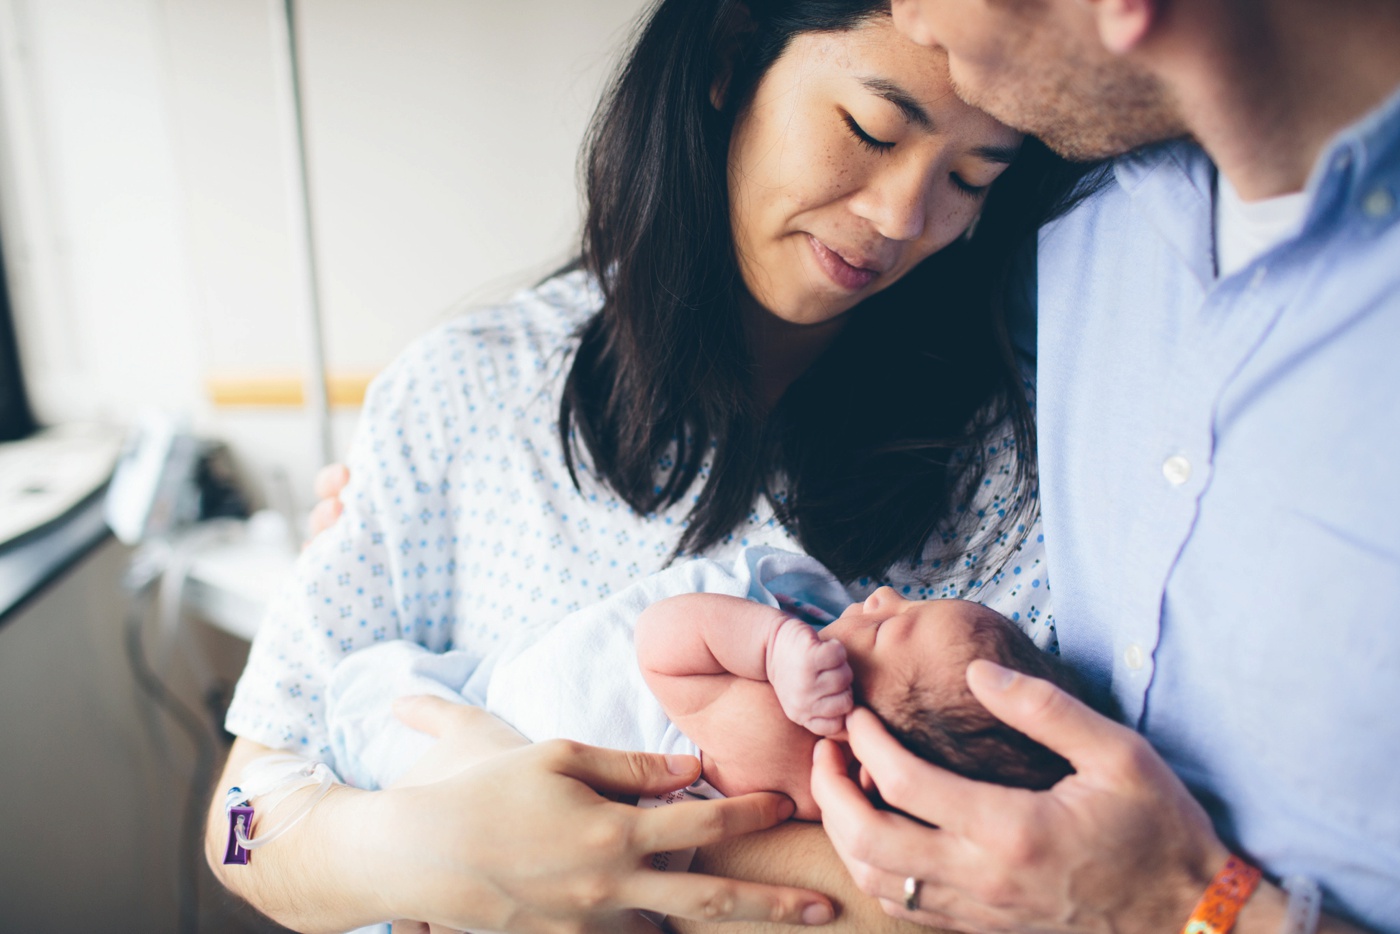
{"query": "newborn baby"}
[(754, 686), (741, 665)]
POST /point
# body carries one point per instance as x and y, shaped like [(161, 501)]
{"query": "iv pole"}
[(287, 77)]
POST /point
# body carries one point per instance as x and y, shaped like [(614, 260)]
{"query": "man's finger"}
[(700, 823), (920, 788), (831, 784), (867, 839), (710, 898), (935, 919), (1045, 713)]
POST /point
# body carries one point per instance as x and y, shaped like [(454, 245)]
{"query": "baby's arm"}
[(717, 665), (688, 644)]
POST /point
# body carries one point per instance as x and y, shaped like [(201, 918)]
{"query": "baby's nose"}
[(881, 597)]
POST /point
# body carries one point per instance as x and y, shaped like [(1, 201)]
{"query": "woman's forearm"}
[(315, 878), (475, 837)]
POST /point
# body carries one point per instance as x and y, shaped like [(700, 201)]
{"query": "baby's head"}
[(910, 662)]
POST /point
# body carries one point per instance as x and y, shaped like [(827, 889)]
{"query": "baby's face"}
[(893, 643)]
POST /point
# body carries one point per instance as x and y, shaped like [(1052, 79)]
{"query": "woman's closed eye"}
[(864, 138), (967, 188)]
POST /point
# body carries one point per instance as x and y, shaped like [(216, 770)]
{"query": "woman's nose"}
[(896, 201)]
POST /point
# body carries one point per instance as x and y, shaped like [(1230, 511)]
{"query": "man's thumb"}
[(1043, 712)]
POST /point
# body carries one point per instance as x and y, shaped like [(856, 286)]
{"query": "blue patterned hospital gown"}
[(461, 522)]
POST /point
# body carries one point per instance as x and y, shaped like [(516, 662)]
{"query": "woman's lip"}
[(851, 278)]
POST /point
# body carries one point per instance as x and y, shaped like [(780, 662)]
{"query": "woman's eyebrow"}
[(913, 111)]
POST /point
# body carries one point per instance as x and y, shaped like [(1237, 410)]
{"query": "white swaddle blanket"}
[(576, 679)]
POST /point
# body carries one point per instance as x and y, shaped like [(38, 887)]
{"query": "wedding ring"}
[(911, 894)]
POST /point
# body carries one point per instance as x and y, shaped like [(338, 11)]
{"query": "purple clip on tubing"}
[(235, 854)]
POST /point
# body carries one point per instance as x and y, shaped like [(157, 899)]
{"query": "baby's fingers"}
[(825, 726), (831, 705), (827, 655), (833, 680)]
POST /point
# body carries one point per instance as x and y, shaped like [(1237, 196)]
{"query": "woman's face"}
[(852, 163)]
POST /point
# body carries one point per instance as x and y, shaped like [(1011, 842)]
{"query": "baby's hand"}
[(811, 678)]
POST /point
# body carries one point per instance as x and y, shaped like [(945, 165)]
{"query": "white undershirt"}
[(1248, 229)]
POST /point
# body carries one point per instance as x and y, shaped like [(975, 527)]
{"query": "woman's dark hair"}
[(868, 456)]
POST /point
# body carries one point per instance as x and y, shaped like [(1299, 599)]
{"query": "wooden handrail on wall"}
[(282, 391)]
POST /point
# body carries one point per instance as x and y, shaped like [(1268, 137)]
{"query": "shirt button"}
[(1133, 657), (1176, 469), (1378, 203)]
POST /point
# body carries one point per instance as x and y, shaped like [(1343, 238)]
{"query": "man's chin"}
[(1133, 113), (967, 93), (1010, 112), (1094, 143)]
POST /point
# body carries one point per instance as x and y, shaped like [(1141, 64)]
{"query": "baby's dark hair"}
[(961, 735)]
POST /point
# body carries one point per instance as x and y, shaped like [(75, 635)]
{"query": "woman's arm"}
[(312, 879), (472, 839)]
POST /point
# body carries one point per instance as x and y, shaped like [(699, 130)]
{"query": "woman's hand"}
[(330, 480), (467, 735), (523, 840), (1121, 845)]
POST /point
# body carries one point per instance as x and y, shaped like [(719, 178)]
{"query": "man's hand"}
[(811, 678), (1120, 845)]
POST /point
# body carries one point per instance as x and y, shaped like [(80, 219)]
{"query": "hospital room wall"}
[(148, 236), (145, 204)]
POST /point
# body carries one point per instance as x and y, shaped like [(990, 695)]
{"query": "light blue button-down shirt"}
[(1220, 470)]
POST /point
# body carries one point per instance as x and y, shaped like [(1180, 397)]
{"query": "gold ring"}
[(911, 893)]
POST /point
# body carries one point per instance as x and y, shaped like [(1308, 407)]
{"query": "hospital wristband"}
[(1304, 906), (1218, 908)]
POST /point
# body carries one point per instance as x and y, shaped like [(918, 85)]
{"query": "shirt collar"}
[(1173, 185), (1359, 170)]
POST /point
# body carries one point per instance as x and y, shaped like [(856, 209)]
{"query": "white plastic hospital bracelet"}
[(1304, 906)]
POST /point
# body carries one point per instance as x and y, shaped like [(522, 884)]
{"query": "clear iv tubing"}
[(327, 779)]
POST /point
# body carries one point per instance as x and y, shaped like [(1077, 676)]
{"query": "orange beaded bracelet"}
[(1215, 913)]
